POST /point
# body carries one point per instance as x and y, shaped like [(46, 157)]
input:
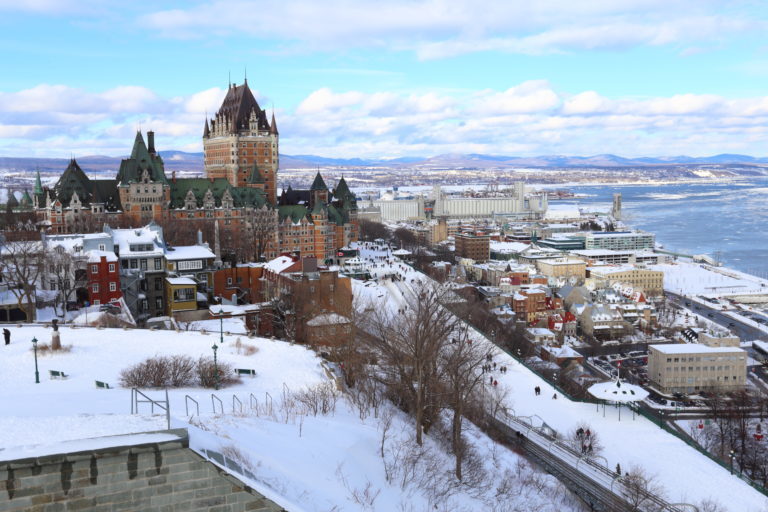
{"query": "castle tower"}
[(241, 145)]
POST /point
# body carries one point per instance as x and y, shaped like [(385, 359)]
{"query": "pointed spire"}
[(38, 184), (318, 184), (273, 126), (206, 130)]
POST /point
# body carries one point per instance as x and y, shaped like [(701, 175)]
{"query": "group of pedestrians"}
[(585, 437)]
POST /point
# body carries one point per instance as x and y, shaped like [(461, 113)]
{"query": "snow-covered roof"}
[(95, 256), (694, 348), (189, 252), (508, 247), (328, 319), (124, 238), (617, 391), (279, 264), (181, 281), (401, 252), (540, 331), (563, 261)]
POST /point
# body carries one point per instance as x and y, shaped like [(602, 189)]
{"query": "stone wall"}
[(162, 477)]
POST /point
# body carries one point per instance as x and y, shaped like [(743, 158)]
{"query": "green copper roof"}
[(255, 176), (318, 184), (38, 185), (72, 180), (26, 199), (131, 169), (241, 196), (294, 212), (12, 201)]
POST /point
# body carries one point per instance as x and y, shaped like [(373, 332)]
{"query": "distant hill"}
[(193, 162)]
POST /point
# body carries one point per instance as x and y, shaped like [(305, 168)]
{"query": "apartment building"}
[(473, 247), (563, 267), (620, 240), (651, 282), (690, 367)]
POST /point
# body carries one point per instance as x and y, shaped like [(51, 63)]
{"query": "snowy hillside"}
[(306, 462)]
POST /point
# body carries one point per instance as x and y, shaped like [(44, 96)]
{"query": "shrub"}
[(160, 371), (206, 373)]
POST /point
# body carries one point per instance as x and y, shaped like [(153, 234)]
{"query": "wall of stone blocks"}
[(153, 477)]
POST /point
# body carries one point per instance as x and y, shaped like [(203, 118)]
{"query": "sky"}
[(373, 79)]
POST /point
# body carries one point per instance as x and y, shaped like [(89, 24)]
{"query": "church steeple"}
[(273, 126), (38, 184)]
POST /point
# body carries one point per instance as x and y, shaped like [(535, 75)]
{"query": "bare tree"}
[(462, 362), (371, 230), (407, 344), (65, 274), (405, 237), (21, 264), (261, 228), (639, 489)]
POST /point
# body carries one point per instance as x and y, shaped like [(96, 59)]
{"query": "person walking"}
[(554, 397), (7, 336), (618, 469)]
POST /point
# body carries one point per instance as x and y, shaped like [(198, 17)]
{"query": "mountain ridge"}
[(193, 161)]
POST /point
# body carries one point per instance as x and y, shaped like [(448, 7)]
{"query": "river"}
[(726, 219)]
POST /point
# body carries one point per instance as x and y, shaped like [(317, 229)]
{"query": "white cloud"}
[(443, 28), (527, 118)]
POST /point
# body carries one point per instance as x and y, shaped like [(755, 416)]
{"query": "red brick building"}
[(103, 277)]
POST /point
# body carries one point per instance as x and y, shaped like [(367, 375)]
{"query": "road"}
[(743, 331)]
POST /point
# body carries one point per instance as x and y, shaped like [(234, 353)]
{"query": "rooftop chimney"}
[(151, 142)]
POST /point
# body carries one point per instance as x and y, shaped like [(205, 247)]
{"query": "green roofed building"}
[(239, 189)]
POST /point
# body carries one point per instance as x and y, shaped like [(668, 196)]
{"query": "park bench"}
[(102, 385), (245, 371), (56, 374)]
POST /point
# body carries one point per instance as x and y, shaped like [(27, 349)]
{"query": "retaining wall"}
[(153, 477)]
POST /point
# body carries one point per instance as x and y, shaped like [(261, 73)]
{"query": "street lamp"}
[(215, 367), (661, 419), (37, 373), (732, 455), (221, 324)]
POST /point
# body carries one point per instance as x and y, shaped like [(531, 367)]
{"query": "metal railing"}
[(187, 398), (215, 399), (164, 405), (592, 478)]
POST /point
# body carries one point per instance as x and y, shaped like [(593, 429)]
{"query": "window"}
[(111, 267), (143, 264), (158, 264), (102, 247), (95, 287), (94, 269), (158, 303), (184, 295), (113, 286), (96, 302), (229, 281), (53, 285), (134, 263), (158, 283)]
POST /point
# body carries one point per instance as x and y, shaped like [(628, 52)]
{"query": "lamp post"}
[(732, 454), (215, 367), (661, 419), (37, 373), (221, 325)]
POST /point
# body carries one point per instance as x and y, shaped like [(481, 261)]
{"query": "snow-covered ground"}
[(686, 277), (686, 475), (304, 462)]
